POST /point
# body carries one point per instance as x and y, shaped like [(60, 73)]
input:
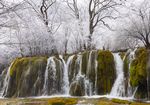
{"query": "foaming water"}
[(6, 81), (118, 89)]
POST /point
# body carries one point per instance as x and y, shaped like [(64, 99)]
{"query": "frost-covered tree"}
[(99, 12), (139, 24)]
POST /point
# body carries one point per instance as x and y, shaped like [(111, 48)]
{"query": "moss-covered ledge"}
[(26, 75), (106, 73), (138, 72)]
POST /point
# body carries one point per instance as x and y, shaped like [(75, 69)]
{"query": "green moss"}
[(138, 67), (62, 101), (138, 72), (73, 69), (85, 57), (122, 55), (23, 75), (121, 101), (105, 72), (23, 63)]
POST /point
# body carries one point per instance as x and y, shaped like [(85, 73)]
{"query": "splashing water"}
[(118, 89), (51, 67), (6, 81), (65, 74)]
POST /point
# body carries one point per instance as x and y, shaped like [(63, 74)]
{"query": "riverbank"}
[(68, 101)]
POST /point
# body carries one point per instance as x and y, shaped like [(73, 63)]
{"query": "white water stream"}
[(118, 89)]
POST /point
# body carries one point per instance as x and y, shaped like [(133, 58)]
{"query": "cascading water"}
[(95, 77), (80, 73), (88, 84), (6, 81), (65, 74), (130, 90), (118, 89), (50, 69)]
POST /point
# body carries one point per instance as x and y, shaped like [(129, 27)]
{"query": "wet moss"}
[(91, 74), (138, 72), (73, 69), (63, 101), (122, 55), (76, 89), (138, 67), (105, 72), (121, 101), (85, 57), (68, 101), (23, 75), (59, 74)]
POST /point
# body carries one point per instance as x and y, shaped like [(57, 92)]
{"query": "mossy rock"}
[(138, 72), (76, 89), (106, 73), (73, 69), (122, 55), (24, 74), (85, 58)]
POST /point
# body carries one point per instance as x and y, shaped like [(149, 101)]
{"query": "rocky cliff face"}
[(87, 73)]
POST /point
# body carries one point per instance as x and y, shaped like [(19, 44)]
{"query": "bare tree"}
[(99, 12), (6, 10), (139, 27), (43, 11), (45, 5), (73, 6)]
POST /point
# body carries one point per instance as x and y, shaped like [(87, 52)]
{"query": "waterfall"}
[(134, 92), (79, 62), (89, 65), (131, 90), (118, 88), (96, 76), (79, 73), (6, 81), (88, 84), (65, 74), (50, 69)]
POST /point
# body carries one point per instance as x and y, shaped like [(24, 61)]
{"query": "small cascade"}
[(50, 75), (134, 92), (65, 74), (118, 89), (88, 84), (6, 81), (88, 87), (96, 76), (79, 62), (79, 67), (131, 92), (89, 65)]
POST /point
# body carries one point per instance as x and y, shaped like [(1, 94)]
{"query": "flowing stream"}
[(118, 89)]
